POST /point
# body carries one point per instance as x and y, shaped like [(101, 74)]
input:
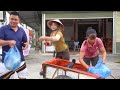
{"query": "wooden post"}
[(75, 31)]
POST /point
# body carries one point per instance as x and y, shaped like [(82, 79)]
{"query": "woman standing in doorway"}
[(56, 37)]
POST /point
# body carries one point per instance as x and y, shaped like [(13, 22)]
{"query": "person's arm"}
[(24, 40), (11, 43), (47, 38), (103, 51), (54, 38), (3, 42), (82, 54)]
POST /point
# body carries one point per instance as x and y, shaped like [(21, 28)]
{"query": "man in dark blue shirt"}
[(11, 35)]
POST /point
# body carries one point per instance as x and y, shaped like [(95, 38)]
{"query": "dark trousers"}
[(92, 60), (63, 55)]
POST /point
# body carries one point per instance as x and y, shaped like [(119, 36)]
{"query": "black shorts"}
[(93, 61), (63, 55)]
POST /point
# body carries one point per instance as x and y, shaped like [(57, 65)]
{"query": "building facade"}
[(107, 24)]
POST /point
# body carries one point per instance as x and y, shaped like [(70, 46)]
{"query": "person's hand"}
[(87, 67), (42, 38), (25, 45), (46, 43), (12, 43), (104, 62)]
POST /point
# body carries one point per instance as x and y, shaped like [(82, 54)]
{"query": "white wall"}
[(1, 24), (7, 17), (1, 15), (82, 15)]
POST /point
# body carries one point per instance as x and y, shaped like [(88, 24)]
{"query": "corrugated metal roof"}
[(31, 18)]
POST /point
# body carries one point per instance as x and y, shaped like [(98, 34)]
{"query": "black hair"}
[(15, 13), (92, 36)]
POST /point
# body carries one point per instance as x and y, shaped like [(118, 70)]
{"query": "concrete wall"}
[(95, 14), (1, 15), (117, 31), (117, 27)]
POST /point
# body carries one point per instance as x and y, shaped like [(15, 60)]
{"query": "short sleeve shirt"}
[(91, 51), (7, 33), (59, 45)]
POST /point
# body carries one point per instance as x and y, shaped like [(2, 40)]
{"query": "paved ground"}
[(35, 60)]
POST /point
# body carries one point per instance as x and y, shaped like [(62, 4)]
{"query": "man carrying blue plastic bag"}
[(13, 36)]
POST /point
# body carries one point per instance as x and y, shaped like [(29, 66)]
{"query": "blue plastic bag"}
[(100, 69), (12, 59)]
